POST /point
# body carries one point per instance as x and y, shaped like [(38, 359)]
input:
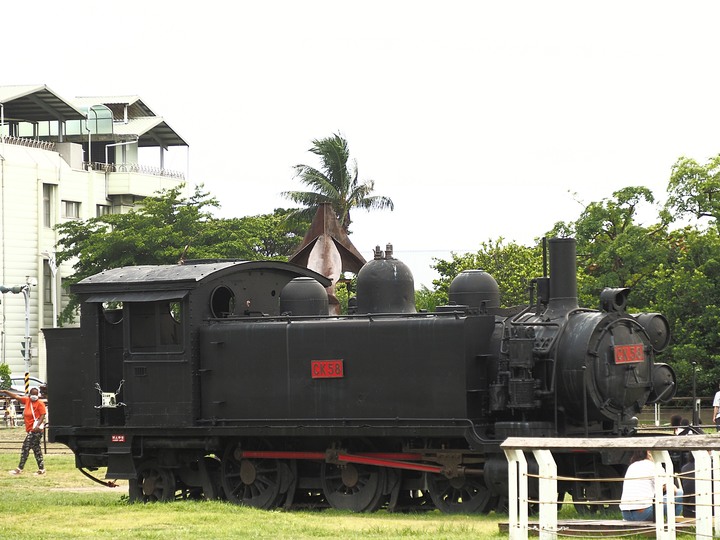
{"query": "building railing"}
[(705, 450), (96, 166), (30, 143), (133, 168)]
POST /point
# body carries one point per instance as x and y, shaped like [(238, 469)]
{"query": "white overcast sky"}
[(479, 119)]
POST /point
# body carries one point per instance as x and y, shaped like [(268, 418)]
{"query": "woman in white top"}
[(638, 494)]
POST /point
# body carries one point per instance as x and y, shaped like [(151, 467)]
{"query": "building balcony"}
[(138, 180)]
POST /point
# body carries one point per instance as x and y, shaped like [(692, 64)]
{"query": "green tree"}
[(275, 236), (613, 249), (265, 236), (164, 229), (686, 289), (335, 182), (676, 273), (428, 300), (694, 189), (5, 380), (167, 229), (512, 265)]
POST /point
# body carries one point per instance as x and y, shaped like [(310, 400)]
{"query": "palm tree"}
[(335, 183)]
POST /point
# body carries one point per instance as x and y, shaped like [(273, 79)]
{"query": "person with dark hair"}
[(638, 493), (686, 428), (34, 414), (675, 421)]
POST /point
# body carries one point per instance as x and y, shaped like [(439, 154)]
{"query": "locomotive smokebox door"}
[(606, 364)]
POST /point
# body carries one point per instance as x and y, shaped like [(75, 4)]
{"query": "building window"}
[(71, 209), (48, 198), (47, 282), (102, 210)]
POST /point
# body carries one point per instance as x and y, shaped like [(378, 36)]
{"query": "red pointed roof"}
[(325, 223)]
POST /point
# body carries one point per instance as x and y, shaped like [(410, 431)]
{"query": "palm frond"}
[(313, 178), (307, 198), (376, 202)]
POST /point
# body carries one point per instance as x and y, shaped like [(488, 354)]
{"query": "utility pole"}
[(25, 290)]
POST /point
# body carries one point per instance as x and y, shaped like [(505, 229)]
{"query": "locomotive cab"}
[(138, 335)]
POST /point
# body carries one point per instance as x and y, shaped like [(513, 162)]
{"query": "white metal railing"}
[(30, 143), (133, 168), (96, 166)]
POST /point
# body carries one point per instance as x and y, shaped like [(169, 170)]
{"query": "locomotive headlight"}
[(657, 328), (663, 383), (614, 299)]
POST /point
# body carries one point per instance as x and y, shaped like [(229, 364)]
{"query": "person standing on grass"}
[(11, 413), (716, 409), (34, 415)]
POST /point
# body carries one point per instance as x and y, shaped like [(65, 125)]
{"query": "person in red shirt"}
[(34, 414)]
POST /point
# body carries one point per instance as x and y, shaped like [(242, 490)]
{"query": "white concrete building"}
[(64, 159)]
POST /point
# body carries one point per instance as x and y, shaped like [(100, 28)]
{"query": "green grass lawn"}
[(65, 504)]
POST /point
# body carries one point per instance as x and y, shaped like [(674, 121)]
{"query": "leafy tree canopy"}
[(686, 289), (5, 380), (694, 189), (170, 228), (613, 249)]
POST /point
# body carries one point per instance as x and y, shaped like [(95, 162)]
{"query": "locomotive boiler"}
[(228, 379)]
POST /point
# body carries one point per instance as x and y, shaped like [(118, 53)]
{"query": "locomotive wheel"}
[(412, 501), (354, 487), (153, 484), (213, 489), (462, 494), (292, 485), (599, 491), (199, 479), (406, 493), (310, 496), (260, 483)]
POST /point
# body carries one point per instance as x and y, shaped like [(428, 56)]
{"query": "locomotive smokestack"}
[(563, 273)]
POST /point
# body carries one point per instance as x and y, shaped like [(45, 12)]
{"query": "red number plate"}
[(327, 369), (628, 354), (117, 438)]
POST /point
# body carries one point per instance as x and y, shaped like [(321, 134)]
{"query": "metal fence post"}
[(548, 494), (664, 477), (517, 494), (703, 494)]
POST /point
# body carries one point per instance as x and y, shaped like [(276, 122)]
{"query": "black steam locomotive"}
[(228, 379)]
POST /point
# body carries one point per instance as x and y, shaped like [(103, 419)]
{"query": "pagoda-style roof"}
[(325, 226)]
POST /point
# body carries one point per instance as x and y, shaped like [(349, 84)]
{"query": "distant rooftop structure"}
[(133, 118), (96, 122), (34, 103)]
